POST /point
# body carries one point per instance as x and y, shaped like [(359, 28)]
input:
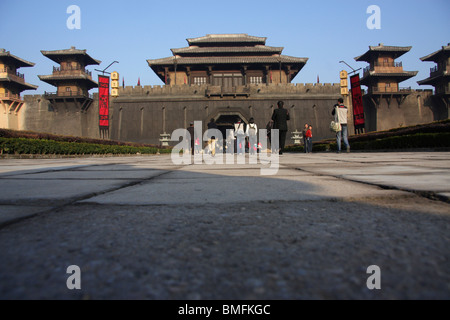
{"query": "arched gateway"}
[(226, 120)]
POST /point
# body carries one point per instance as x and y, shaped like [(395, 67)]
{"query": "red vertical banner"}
[(358, 108), (103, 101)]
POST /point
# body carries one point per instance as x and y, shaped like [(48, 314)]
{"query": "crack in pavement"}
[(425, 194), (74, 200)]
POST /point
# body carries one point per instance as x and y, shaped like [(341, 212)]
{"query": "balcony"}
[(57, 71), (15, 76), (81, 98), (443, 90), (11, 102), (383, 67), (389, 64), (9, 96), (68, 94), (439, 71), (392, 90)]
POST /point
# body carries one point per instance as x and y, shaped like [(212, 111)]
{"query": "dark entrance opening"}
[(227, 121)]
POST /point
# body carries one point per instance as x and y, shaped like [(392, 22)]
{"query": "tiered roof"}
[(7, 77), (438, 55), (227, 49), (374, 51), (80, 76), (55, 79), (372, 55), (241, 38), (61, 55), (6, 56), (437, 75)]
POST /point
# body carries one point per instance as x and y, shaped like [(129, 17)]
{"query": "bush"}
[(294, 148), (43, 146), (411, 141), (6, 133), (419, 140)]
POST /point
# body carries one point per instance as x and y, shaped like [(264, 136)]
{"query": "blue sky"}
[(131, 32)]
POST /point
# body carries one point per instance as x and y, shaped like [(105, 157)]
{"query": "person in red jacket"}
[(308, 136)]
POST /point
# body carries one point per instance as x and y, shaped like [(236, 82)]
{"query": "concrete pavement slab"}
[(125, 174), (256, 251), (381, 169), (199, 188), (9, 170), (11, 212), (226, 232), (432, 182), (20, 190)]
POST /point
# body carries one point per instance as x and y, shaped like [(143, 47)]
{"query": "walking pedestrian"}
[(305, 146), (252, 134), (309, 139), (340, 113), (239, 132), (190, 129), (211, 138), (280, 117), (230, 141)]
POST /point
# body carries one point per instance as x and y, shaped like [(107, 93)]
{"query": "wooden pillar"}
[(244, 72), (166, 76), (188, 74), (164, 119), (209, 72), (288, 74), (175, 69)]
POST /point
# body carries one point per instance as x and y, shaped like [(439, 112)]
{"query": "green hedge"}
[(419, 140), (413, 141), (7, 133), (43, 146)]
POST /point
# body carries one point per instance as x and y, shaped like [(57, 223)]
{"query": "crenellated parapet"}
[(246, 91)]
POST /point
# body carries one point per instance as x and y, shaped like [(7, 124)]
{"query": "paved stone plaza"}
[(144, 228)]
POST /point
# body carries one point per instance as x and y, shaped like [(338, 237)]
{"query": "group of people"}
[(307, 138), (340, 113), (240, 133), (236, 139)]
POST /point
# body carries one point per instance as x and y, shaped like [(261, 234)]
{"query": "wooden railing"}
[(381, 64), (439, 70), (70, 70), (17, 76), (9, 95), (390, 89), (62, 94)]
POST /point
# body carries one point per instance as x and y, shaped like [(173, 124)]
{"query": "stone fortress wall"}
[(143, 113)]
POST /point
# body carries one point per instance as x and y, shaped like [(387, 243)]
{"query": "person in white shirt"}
[(239, 132), (341, 117), (230, 139), (252, 134)]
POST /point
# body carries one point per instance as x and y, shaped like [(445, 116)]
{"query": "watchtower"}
[(384, 74), (71, 78), (440, 77), (12, 83)]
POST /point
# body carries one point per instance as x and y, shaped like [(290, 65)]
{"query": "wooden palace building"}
[(227, 61)]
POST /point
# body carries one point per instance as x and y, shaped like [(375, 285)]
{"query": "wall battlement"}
[(158, 90), (254, 89)]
